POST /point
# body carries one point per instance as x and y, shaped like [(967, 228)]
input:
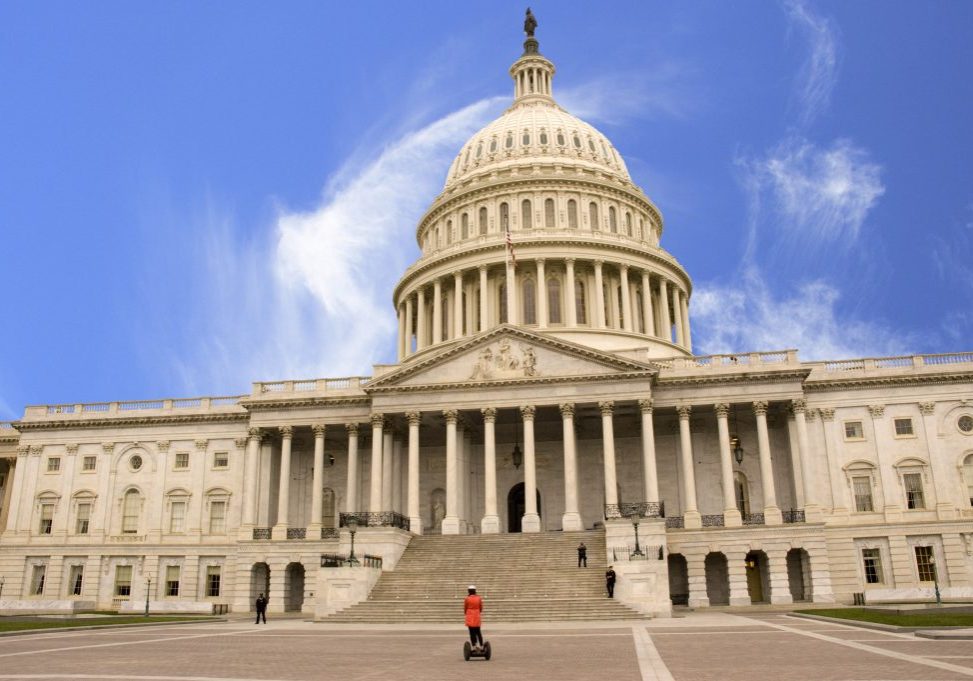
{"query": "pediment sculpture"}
[(502, 361)]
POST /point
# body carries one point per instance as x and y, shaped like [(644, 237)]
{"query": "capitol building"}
[(545, 384)]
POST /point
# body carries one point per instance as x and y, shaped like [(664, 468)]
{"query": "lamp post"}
[(148, 590), (352, 528), (635, 524), (1, 587), (935, 579)]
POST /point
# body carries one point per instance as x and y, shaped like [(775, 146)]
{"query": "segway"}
[(483, 651)]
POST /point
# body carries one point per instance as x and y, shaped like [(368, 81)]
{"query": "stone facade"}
[(545, 382)]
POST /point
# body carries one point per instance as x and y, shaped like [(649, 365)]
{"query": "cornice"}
[(784, 376), (865, 382), (305, 401), (65, 424), (513, 382)]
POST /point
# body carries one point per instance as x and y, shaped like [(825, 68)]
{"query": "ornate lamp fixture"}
[(735, 445), (516, 456)]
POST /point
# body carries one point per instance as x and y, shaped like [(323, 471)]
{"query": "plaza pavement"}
[(693, 647)]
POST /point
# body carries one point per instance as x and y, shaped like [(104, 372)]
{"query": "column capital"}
[(352, 428), (927, 408), (413, 417), (569, 261), (598, 263), (527, 411), (72, 448), (799, 406), (240, 442), (567, 410), (255, 434), (646, 406), (876, 410), (451, 416), (607, 407), (489, 414), (827, 413), (811, 414), (108, 447), (286, 431), (684, 411), (318, 429), (482, 268), (760, 407), (539, 261), (35, 450), (377, 419), (722, 410), (23, 450), (623, 268), (202, 444)]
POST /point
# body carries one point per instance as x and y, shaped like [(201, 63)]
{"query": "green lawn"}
[(944, 619), (17, 624)]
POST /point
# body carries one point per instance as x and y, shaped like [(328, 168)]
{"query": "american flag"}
[(510, 248)]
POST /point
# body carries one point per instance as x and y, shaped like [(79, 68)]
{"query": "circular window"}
[(965, 423), (135, 462)]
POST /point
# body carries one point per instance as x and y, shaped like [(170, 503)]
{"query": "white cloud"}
[(749, 316), (820, 70)]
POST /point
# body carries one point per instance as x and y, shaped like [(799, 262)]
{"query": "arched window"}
[(483, 220), (525, 139), (438, 239), (502, 295), (526, 221), (544, 137), (577, 141), (131, 504), (968, 477), (509, 142), (477, 320), (560, 138), (445, 317), (621, 309), (449, 231), (465, 226), (591, 146), (479, 150), (466, 158), (493, 145), (628, 223), (593, 216), (612, 221), (504, 217), (530, 309), (742, 489), (465, 330), (642, 229), (549, 213), (554, 300), (572, 214), (638, 312), (605, 294), (580, 305)]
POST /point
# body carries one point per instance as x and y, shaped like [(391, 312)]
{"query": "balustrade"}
[(640, 509)]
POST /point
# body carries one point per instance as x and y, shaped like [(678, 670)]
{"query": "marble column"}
[(687, 335), (284, 484), (571, 520), (772, 514), (599, 297), (351, 489), (691, 517), (437, 312), (451, 521), (626, 300), (511, 285), (780, 592), (397, 475), (16, 483), (401, 344), (531, 522), (665, 333), (944, 482), (650, 473), (408, 326), (736, 564), (462, 507), (541, 296), (317, 484), (458, 311), (387, 468), (252, 477), (375, 483), (892, 492), (421, 337), (570, 295), (484, 300), (608, 457), (731, 514), (647, 305), (839, 500), (677, 311), (812, 509), (412, 503), (491, 519)]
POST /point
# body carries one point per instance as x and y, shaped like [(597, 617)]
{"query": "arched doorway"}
[(758, 578), (516, 505), (259, 582), (717, 579), (799, 574), (678, 579), (294, 588)]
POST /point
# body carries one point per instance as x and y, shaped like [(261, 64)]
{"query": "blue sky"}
[(195, 195)]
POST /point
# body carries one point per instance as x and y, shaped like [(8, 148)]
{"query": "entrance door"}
[(516, 505)]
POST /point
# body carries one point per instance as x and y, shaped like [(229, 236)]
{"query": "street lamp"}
[(352, 528), (935, 579), (635, 524), (1, 587), (148, 590)]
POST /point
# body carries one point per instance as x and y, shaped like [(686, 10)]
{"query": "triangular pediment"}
[(508, 354)]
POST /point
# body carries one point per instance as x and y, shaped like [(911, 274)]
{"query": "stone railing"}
[(150, 407), (6, 425), (336, 560), (744, 361), (793, 516), (261, 533), (330, 533), (380, 519), (636, 509), (753, 518), (675, 522), (867, 365), (713, 520), (296, 532), (311, 385)]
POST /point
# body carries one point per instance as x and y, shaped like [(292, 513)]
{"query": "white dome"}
[(536, 132)]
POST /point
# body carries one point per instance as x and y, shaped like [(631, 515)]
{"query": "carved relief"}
[(504, 362)]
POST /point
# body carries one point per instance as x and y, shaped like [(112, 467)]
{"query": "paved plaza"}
[(697, 647)]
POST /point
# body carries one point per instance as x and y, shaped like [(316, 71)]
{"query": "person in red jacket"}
[(473, 606)]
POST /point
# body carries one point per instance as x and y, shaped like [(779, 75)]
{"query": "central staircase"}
[(522, 578)]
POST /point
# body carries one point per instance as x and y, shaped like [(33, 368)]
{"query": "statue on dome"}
[(530, 23)]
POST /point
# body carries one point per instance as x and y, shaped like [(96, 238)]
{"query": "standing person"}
[(473, 607), (582, 554), (261, 605), (610, 581)]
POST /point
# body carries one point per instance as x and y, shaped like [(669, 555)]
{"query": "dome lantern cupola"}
[(532, 73)]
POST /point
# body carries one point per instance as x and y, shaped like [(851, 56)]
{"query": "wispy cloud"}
[(751, 315), (819, 73)]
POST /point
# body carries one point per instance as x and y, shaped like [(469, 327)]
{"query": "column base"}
[(279, 532), (780, 599), (740, 600), (450, 525), (773, 516), (732, 517), (571, 522), (945, 511), (415, 525), (531, 522), (490, 524), (245, 532), (813, 513), (464, 527), (313, 532), (692, 520)]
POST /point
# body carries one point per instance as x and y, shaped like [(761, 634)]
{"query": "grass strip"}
[(935, 619)]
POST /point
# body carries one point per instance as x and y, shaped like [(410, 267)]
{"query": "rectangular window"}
[(89, 463), (863, 494), (182, 461), (872, 561), (213, 581), (854, 431), (47, 518), (925, 564), (177, 517), (217, 517), (172, 580), (913, 490), (84, 518), (53, 464), (903, 427), (37, 578), (76, 580), (221, 459), (123, 580)]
